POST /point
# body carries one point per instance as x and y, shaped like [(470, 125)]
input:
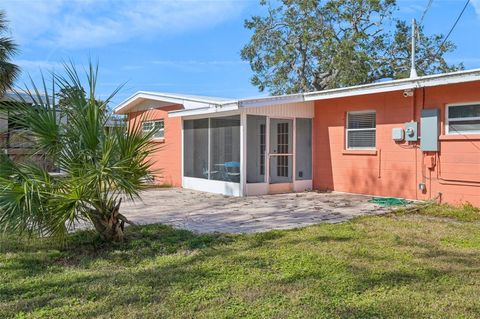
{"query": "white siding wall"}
[(290, 110)]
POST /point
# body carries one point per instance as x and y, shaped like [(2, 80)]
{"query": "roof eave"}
[(190, 99), (206, 106), (272, 100), (204, 110), (246, 103), (403, 84), (125, 105)]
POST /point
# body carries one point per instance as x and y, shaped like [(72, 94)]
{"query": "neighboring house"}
[(17, 142), (115, 121), (413, 138)]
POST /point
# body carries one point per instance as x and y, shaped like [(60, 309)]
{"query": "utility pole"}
[(413, 70)]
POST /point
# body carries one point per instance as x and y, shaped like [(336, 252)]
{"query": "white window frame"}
[(153, 127), (347, 130), (448, 120)]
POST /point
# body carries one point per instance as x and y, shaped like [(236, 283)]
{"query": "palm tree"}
[(8, 70), (97, 167)]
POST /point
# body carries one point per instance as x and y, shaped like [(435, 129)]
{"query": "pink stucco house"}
[(416, 138)]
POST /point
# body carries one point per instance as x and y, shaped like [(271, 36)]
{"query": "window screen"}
[(361, 130), (225, 149), (303, 149), (195, 150), (463, 119)]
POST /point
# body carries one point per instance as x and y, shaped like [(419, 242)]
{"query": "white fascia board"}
[(181, 113), (450, 79), (204, 110), (353, 91), (187, 102), (272, 100), (125, 104), (404, 84)]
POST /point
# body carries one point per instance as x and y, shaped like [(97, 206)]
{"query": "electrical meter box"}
[(411, 131), (429, 130), (398, 134)]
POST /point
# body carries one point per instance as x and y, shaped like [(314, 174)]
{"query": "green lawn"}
[(396, 266)]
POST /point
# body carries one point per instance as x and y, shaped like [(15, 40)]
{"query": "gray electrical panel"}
[(429, 130)]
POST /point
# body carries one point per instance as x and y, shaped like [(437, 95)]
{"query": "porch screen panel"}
[(195, 152), (303, 149), (256, 148), (225, 148)]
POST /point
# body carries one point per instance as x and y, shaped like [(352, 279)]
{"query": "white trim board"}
[(448, 120), (212, 186)]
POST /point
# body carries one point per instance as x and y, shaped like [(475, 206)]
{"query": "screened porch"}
[(248, 152)]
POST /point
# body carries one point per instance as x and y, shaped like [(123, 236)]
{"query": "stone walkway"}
[(205, 212)]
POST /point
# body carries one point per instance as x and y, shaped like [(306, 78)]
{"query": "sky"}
[(179, 46)]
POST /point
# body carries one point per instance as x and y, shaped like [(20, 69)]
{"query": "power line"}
[(448, 34), (420, 24), (425, 11), (451, 30)]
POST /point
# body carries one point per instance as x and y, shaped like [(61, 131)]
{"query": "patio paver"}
[(205, 212)]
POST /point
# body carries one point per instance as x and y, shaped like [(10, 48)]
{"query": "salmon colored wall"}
[(396, 169), (167, 160)]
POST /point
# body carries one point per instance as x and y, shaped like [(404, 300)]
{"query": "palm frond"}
[(8, 71), (98, 166)]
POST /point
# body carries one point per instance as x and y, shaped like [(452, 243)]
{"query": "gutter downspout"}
[(415, 147)]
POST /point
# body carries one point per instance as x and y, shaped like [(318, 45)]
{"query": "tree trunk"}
[(110, 226)]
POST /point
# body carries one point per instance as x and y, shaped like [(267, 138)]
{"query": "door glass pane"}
[(256, 148), (225, 149), (195, 152), (282, 138), (281, 168), (303, 149)]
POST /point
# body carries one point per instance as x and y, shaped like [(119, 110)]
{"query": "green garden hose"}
[(389, 201)]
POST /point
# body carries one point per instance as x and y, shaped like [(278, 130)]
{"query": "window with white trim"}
[(361, 130), (157, 125), (463, 119)]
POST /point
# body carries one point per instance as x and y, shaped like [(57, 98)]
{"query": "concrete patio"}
[(206, 213)]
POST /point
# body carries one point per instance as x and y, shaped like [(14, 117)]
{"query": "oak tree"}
[(307, 45)]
